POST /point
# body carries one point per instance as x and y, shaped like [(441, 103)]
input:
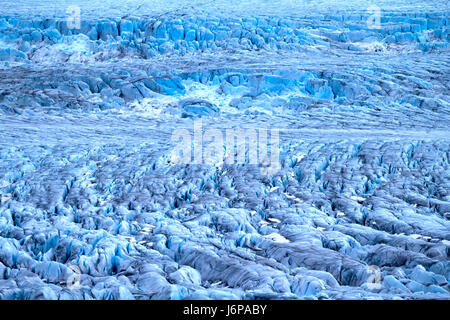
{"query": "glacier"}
[(92, 205)]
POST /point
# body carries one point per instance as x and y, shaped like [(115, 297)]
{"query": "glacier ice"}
[(92, 207)]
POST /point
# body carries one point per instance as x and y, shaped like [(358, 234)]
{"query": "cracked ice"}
[(359, 208)]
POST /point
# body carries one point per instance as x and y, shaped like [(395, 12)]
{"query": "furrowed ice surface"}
[(93, 207)]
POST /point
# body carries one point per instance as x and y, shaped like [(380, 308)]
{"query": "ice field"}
[(93, 205)]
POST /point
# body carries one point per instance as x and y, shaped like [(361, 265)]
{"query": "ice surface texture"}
[(360, 208)]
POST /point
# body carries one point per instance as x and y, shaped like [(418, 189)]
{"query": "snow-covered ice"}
[(93, 207)]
